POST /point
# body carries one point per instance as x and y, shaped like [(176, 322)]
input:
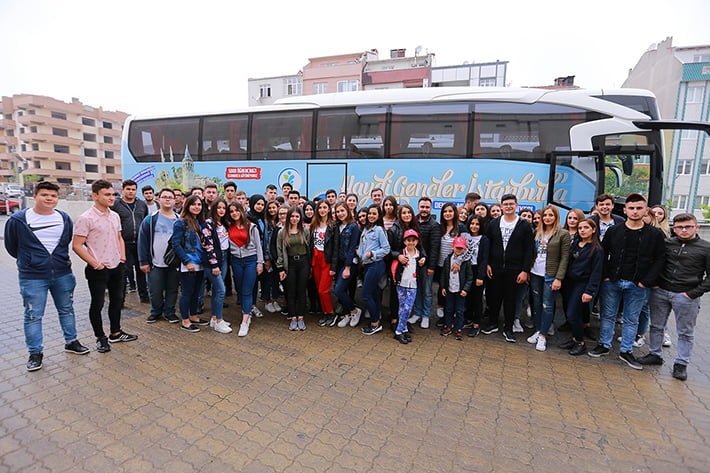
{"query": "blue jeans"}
[(612, 293), (163, 285), (422, 304), (371, 293), (686, 314), (543, 302), (190, 283), (218, 291), (453, 312), (341, 289), (34, 298), (244, 271)]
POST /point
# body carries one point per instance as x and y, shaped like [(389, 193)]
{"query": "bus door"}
[(631, 169), (323, 176), (575, 178)]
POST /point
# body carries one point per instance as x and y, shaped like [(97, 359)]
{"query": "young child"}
[(405, 275), (456, 279)]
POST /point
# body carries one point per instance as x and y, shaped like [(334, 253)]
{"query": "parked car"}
[(8, 206), (11, 189)]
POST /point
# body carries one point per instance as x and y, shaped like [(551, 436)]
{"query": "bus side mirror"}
[(627, 164)]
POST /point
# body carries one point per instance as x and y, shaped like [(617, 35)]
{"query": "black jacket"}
[(585, 265), (466, 276), (650, 256), (131, 219), (520, 253), (395, 235), (687, 267), (430, 238), (329, 249)]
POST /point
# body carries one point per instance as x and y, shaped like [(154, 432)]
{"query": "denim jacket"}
[(373, 240), (346, 241), (184, 242)]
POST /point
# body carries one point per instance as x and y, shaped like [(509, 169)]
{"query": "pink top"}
[(101, 231)]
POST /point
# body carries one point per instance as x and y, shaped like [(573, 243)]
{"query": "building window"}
[(60, 132), (59, 115), (348, 85), (65, 180), (487, 82), (12, 148), (293, 87), (22, 130), (38, 165), (701, 58), (35, 146), (62, 166), (20, 113), (61, 149), (108, 154), (705, 167), (702, 200), (694, 95), (10, 132), (89, 137), (680, 202), (33, 129), (108, 125), (8, 116), (685, 166), (91, 167), (88, 121), (689, 135), (23, 147), (31, 112), (90, 153), (110, 170), (108, 139), (264, 91), (320, 88)]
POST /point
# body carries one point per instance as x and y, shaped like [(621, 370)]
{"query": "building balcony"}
[(32, 120), (110, 147), (116, 176), (52, 173), (8, 140), (5, 123), (47, 103), (46, 138), (49, 155), (6, 173), (111, 132)]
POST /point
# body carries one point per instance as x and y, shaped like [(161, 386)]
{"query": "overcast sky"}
[(154, 57)]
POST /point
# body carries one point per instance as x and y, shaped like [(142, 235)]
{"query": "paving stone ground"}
[(333, 400)]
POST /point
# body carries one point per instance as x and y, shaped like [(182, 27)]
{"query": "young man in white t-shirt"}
[(39, 239)]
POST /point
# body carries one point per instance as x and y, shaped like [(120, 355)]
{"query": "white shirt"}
[(506, 229), (47, 228)]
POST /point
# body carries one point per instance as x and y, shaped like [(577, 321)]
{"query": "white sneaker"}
[(440, 312), (667, 339), (222, 327), (541, 344), (534, 337), (214, 321), (641, 341), (517, 328), (425, 322), (414, 319), (618, 339), (243, 329), (276, 306), (256, 312), (344, 321), (269, 307), (355, 318)]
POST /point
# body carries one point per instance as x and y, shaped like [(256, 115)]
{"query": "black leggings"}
[(296, 284), (99, 281)]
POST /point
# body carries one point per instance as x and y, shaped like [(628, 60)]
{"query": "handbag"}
[(170, 258)]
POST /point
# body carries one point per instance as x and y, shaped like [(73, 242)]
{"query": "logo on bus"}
[(243, 173), (291, 176)]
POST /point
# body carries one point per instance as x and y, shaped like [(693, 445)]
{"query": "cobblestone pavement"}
[(333, 400)]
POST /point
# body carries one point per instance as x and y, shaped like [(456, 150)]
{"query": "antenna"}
[(417, 50)]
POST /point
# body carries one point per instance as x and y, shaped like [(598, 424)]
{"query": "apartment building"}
[(680, 79), (398, 71), (483, 74), (72, 143), (267, 90)]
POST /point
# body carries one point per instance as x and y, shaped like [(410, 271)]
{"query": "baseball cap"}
[(410, 233), (459, 242)]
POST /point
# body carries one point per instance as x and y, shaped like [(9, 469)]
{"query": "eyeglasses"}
[(685, 228)]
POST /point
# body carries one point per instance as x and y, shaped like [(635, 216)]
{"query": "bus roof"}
[(584, 98)]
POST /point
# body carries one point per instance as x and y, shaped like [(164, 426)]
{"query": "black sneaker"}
[(440, 323), (371, 329), (102, 345), (190, 328), (679, 371), (489, 330), (445, 332), (173, 319), (152, 319), (35, 362), (651, 359), (401, 338), (122, 337), (578, 349), (408, 336), (474, 332), (599, 350), (629, 358), (76, 348), (200, 321), (459, 335), (509, 336), (568, 345), (467, 325), (322, 320), (331, 320)]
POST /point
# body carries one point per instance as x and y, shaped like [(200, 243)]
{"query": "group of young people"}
[(312, 256)]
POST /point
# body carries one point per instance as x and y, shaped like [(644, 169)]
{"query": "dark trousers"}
[(453, 312), (136, 277), (163, 290), (503, 290), (474, 304), (190, 284), (296, 285), (576, 309), (99, 281)]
